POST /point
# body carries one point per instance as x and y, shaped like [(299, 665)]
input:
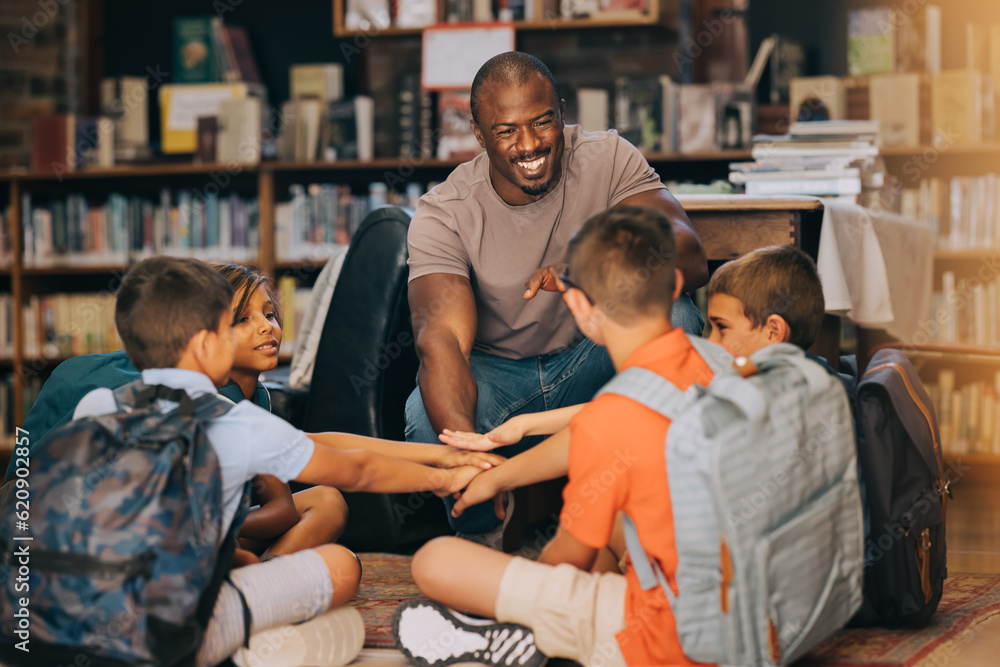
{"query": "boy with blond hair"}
[(615, 454)]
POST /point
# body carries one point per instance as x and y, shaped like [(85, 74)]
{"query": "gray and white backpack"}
[(767, 513)]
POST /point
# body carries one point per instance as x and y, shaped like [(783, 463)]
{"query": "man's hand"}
[(479, 490), (453, 457), (546, 279), (454, 480)]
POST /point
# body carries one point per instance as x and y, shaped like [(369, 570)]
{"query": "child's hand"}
[(454, 480), (452, 457), (479, 490), (508, 433)]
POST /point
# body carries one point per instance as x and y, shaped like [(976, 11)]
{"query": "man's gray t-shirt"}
[(463, 227)]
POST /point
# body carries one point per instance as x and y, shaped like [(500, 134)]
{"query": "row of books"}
[(63, 143), (967, 415), (57, 326), (822, 158), (128, 228), (964, 211), (964, 311), (882, 40), (382, 14), (320, 216), (948, 108), (206, 50)]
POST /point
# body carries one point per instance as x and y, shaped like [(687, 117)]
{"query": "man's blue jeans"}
[(509, 387)]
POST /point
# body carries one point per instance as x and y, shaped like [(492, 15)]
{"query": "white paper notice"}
[(453, 55), (187, 104)]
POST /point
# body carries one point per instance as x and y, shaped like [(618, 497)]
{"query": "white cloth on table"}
[(876, 268)]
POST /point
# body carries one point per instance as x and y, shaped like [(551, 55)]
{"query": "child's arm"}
[(431, 455), (513, 430), (548, 459), (277, 511), (364, 470)]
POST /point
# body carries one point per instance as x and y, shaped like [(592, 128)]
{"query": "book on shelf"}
[(639, 111), (787, 61), (242, 66), (125, 99), (805, 186), (62, 143), (181, 104), (196, 50), (857, 98), (456, 140), (323, 81), (208, 140), (957, 108), (918, 39), (350, 128), (239, 138), (870, 41), (696, 120), (902, 102), (414, 118)]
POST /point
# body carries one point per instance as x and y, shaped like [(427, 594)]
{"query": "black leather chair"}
[(365, 369)]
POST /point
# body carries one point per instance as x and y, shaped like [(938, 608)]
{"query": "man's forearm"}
[(449, 391)]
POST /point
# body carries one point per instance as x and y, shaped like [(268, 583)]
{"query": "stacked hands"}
[(482, 487)]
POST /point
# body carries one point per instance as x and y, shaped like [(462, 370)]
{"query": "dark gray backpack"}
[(907, 488)]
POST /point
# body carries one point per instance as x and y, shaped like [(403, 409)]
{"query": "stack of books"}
[(821, 158)]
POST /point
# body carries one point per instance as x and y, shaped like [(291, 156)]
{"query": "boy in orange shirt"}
[(621, 295)]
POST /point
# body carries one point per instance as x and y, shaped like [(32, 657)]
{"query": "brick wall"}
[(39, 69)]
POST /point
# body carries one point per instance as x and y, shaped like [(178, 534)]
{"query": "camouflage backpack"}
[(126, 551)]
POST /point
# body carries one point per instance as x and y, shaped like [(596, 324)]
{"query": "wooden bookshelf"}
[(659, 12), (909, 151), (965, 254)]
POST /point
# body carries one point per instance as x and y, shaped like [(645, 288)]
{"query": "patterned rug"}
[(385, 582), (968, 600)]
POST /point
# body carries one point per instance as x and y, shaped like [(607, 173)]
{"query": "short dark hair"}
[(163, 302), (245, 281), (623, 259), (775, 280), (513, 68)]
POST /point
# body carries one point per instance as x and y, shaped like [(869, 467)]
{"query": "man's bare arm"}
[(444, 327), (691, 259)]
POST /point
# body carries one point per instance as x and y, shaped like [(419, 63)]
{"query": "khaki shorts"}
[(574, 614)]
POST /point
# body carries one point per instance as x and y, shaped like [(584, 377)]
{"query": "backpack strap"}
[(648, 389), (647, 571), (717, 357)]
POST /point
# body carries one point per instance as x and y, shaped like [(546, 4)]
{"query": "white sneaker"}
[(328, 640), (494, 538), (432, 635)]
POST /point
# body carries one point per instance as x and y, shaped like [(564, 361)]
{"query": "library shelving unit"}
[(970, 367), (657, 12), (267, 184), (962, 382)]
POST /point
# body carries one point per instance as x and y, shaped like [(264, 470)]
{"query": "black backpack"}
[(126, 554), (906, 493)]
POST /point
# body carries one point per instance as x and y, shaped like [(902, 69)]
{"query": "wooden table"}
[(732, 225)]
